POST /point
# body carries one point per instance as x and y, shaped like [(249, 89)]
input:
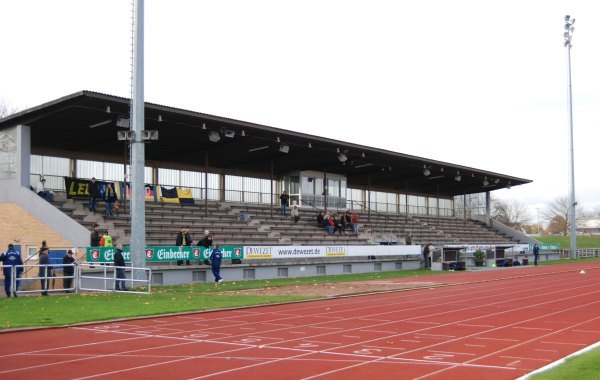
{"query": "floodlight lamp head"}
[(284, 148), (342, 157), (457, 178), (426, 170), (485, 181), (508, 185), (229, 133), (214, 136)]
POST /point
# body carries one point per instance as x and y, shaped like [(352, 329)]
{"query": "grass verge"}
[(584, 367), (76, 308)]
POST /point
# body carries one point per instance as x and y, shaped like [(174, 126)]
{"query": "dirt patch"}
[(337, 288)]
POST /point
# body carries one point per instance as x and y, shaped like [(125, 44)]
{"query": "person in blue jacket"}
[(215, 263), (9, 259)]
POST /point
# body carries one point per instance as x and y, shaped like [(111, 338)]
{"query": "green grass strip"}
[(583, 367)]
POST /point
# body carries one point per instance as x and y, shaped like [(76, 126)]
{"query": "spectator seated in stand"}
[(43, 192), (330, 223), (355, 223), (339, 224), (320, 218)]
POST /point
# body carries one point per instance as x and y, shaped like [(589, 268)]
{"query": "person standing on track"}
[(215, 263)]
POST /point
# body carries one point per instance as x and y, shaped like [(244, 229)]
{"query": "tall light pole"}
[(538, 217), (568, 34)]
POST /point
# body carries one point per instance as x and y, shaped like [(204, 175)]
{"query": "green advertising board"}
[(164, 253), (546, 247)]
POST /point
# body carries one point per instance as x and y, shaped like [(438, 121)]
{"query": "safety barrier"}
[(103, 278), (46, 275), (86, 277)]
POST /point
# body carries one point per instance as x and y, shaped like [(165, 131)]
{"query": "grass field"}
[(565, 243)]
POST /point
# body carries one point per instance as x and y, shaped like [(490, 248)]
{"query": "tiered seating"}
[(268, 227), (305, 232), (464, 232)]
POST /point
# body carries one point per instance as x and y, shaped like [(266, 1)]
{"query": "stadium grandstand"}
[(224, 177)]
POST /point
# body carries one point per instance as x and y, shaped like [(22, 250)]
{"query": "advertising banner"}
[(164, 253), (305, 251)]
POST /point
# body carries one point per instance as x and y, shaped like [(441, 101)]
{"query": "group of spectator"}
[(340, 223), (184, 239), (109, 197), (12, 261)]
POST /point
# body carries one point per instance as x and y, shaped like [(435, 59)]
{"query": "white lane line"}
[(514, 364), (475, 345), (587, 331), (539, 349), (475, 325), (500, 339), (523, 358), (565, 343), (453, 352), (532, 328)]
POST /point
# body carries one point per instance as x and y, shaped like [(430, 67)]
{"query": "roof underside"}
[(65, 128)]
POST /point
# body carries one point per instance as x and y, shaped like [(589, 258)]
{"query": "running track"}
[(498, 324)]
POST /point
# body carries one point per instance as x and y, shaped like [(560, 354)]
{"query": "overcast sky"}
[(477, 83)]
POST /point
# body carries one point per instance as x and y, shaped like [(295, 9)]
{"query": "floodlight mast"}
[(568, 35), (138, 212)]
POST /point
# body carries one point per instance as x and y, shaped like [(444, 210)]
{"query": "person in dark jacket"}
[(119, 262), (95, 236), (44, 261), (94, 192), (183, 239), (536, 254), (68, 270), (206, 242), (110, 197), (9, 259), (285, 201), (215, 263)]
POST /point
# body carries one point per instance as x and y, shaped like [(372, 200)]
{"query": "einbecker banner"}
[(163, 253)]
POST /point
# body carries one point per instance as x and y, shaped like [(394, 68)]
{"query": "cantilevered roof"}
[(84, 125)]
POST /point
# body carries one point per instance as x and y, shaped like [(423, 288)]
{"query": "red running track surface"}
[(499, 324)]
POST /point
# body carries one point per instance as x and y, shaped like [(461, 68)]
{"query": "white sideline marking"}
[(469, 325), (411, 341), (298, 332), (475, 345), (538, 349), (513, 364)]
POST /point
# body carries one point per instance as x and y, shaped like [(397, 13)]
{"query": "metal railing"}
[(104, 278), (47, 276)]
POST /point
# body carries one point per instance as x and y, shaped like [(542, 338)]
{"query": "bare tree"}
[(510, 212), (557, 214), (5, 109)]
